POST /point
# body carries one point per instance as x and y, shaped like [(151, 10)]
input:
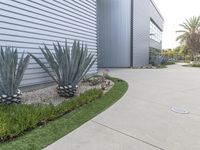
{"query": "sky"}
[(176, 12)]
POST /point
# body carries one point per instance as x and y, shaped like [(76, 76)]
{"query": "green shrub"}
[(16, 119), (187, 61), (169, 63), (195, 65)]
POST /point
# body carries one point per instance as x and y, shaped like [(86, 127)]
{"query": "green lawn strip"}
[(164, 65), (186, 65), (169, 63), (161, 66), (41, 137), (16, 119), (192, 65)]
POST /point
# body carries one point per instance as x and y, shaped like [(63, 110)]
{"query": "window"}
[(155, 32)]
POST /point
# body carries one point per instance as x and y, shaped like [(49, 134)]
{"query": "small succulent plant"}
[(95, 80)]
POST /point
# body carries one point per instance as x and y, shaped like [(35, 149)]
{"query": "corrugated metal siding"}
[(155, 44), (155, 15), (143, 11), (114, 32), (141, 27), (27, 24)]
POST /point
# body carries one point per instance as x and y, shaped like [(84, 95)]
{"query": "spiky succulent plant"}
[(12, 68), (67, 65)]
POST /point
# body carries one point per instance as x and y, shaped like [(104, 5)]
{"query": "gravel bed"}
[(49, 94)]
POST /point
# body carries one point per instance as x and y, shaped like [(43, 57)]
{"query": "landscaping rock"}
[(49, 94)]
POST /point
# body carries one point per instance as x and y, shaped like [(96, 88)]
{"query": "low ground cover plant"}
[(16, 119), (165, 64), (195, 65), (168, 63), (192, 65)]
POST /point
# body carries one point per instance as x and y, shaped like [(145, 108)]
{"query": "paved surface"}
[(142, 119)]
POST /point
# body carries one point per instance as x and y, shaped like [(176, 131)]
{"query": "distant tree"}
[(184, 50), (169, 53), (190, 35), (179, 53)]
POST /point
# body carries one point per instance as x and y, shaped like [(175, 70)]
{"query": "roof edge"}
[(157, 9)]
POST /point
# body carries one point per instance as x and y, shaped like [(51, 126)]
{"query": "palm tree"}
[(190, 35)]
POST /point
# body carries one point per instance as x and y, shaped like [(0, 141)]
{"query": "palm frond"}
[(190, 34)]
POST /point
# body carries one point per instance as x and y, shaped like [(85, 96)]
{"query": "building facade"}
[(27, 24), (126, 31), (122, 30)]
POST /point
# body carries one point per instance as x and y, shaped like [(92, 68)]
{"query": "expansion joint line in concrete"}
[(130, 136)]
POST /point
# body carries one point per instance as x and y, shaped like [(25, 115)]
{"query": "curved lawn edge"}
[(164, 66), (192, 65), (42, 137)]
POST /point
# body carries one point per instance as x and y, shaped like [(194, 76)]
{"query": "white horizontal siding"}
[(28, 24)]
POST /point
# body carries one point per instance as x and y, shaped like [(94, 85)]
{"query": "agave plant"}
[(12, 70), (67, 65)]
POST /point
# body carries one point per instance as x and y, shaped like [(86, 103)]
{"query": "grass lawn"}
[(43, 136), (187, 65), (191, 65), (164, 65)]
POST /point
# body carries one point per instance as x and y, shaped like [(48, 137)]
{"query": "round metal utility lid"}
[(180, 110)]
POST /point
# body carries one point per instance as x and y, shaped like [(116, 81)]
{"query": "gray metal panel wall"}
[(143, 11), (141, 27), (155, 15), (155, 44), (27, 24), (114, 33)]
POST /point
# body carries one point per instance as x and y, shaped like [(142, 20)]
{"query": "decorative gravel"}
[(49, 94)]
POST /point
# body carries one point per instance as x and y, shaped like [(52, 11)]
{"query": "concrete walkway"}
[(142, 119)]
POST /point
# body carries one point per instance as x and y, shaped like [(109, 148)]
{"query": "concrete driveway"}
[(142, 119)]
